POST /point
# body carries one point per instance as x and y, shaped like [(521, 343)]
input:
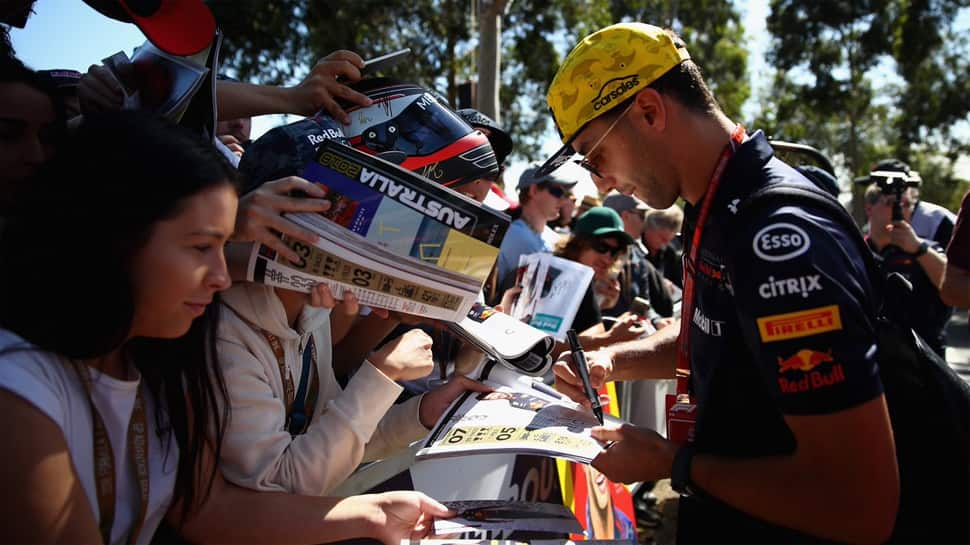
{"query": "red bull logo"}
[(804, 360)]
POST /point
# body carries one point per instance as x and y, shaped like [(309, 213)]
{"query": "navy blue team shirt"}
[(780, 326)]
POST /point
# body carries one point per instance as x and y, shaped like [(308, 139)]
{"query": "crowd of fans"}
[(241, 406)]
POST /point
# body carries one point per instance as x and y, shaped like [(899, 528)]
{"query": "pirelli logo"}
[(803, 323)]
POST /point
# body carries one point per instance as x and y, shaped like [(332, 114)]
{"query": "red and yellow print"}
[(803, 323)]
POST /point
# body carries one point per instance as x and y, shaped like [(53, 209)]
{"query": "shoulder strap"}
[(299, 402), (773, 193), (301, 409)]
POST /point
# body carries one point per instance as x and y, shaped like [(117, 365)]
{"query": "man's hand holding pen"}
[(631, 453), (582, 369), (569, 382)]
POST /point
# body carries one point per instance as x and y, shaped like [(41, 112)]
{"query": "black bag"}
[(929, 404)]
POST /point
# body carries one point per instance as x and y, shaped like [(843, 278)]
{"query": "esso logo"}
[(780, 242)]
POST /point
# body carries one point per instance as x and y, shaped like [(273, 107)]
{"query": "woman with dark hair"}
[(110, 386), (597, 241), (32, 121)]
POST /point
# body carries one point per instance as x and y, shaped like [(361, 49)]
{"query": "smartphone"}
[(377, 64), (640, 306)]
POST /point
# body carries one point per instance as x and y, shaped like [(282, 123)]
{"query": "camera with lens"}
[(893, 182)]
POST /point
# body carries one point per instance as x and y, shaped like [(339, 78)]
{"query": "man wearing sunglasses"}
[(929, 221), (539, 200), (792, 440)]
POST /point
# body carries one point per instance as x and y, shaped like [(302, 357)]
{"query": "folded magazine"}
[(552, 290), (508, 516), (434, 541), (521, 415), (394, 238), (506, 340), (159, 82)]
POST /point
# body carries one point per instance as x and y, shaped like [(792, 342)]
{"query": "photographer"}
[(898, 249)]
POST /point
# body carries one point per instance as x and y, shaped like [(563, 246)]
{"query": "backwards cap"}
[(497, 136), (177, 27), (604, 69)]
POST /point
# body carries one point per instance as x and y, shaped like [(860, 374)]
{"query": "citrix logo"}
[(790, 286)]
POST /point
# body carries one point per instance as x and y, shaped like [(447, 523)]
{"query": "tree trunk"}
[(490, 56)]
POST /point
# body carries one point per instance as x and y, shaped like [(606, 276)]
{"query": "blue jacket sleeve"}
[(803, 299)]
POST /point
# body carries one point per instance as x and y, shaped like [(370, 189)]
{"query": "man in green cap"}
[(792, 441)]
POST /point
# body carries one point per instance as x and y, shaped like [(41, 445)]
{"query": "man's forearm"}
[(236, 100), (955, 290), (654, 357), (788, 493), (357, 343), (247, 516), (843, 462), (933, 264)]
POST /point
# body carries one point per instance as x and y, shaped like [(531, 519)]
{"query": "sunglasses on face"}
[(586, 162), (556, 191), (603, 247)]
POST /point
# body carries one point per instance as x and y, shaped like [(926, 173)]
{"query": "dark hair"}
[(570, 247), (14, 71), (685, 83), (524, 196), (66, 259)]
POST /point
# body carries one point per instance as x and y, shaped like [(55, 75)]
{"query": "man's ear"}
[(652, 108)]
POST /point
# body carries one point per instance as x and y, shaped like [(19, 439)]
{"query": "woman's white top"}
[(51, 384)]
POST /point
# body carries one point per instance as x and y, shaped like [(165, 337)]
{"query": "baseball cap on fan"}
[(498, 138), (623, 203), (601, 72), (177, 27)]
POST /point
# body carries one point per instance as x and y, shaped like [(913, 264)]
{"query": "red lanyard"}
[(104, 462), (690, 262)]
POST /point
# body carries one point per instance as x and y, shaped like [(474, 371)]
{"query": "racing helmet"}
[(407, 125)]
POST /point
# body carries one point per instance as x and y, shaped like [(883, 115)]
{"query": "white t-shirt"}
[(51, 384)]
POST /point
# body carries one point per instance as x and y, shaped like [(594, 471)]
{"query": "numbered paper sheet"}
[(534, 421)]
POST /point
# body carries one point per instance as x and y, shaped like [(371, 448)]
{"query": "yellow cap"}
[(602, 71)]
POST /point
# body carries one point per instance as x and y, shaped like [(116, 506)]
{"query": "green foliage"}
[(833, 44), (931, 57), (940, 185), (277, 42), (825, 93), (534, 34), (714, 36)]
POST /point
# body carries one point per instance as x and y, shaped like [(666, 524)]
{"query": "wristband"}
[(923, 248), (680, 471)]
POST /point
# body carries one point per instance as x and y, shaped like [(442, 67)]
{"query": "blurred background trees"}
[(858, 79)]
